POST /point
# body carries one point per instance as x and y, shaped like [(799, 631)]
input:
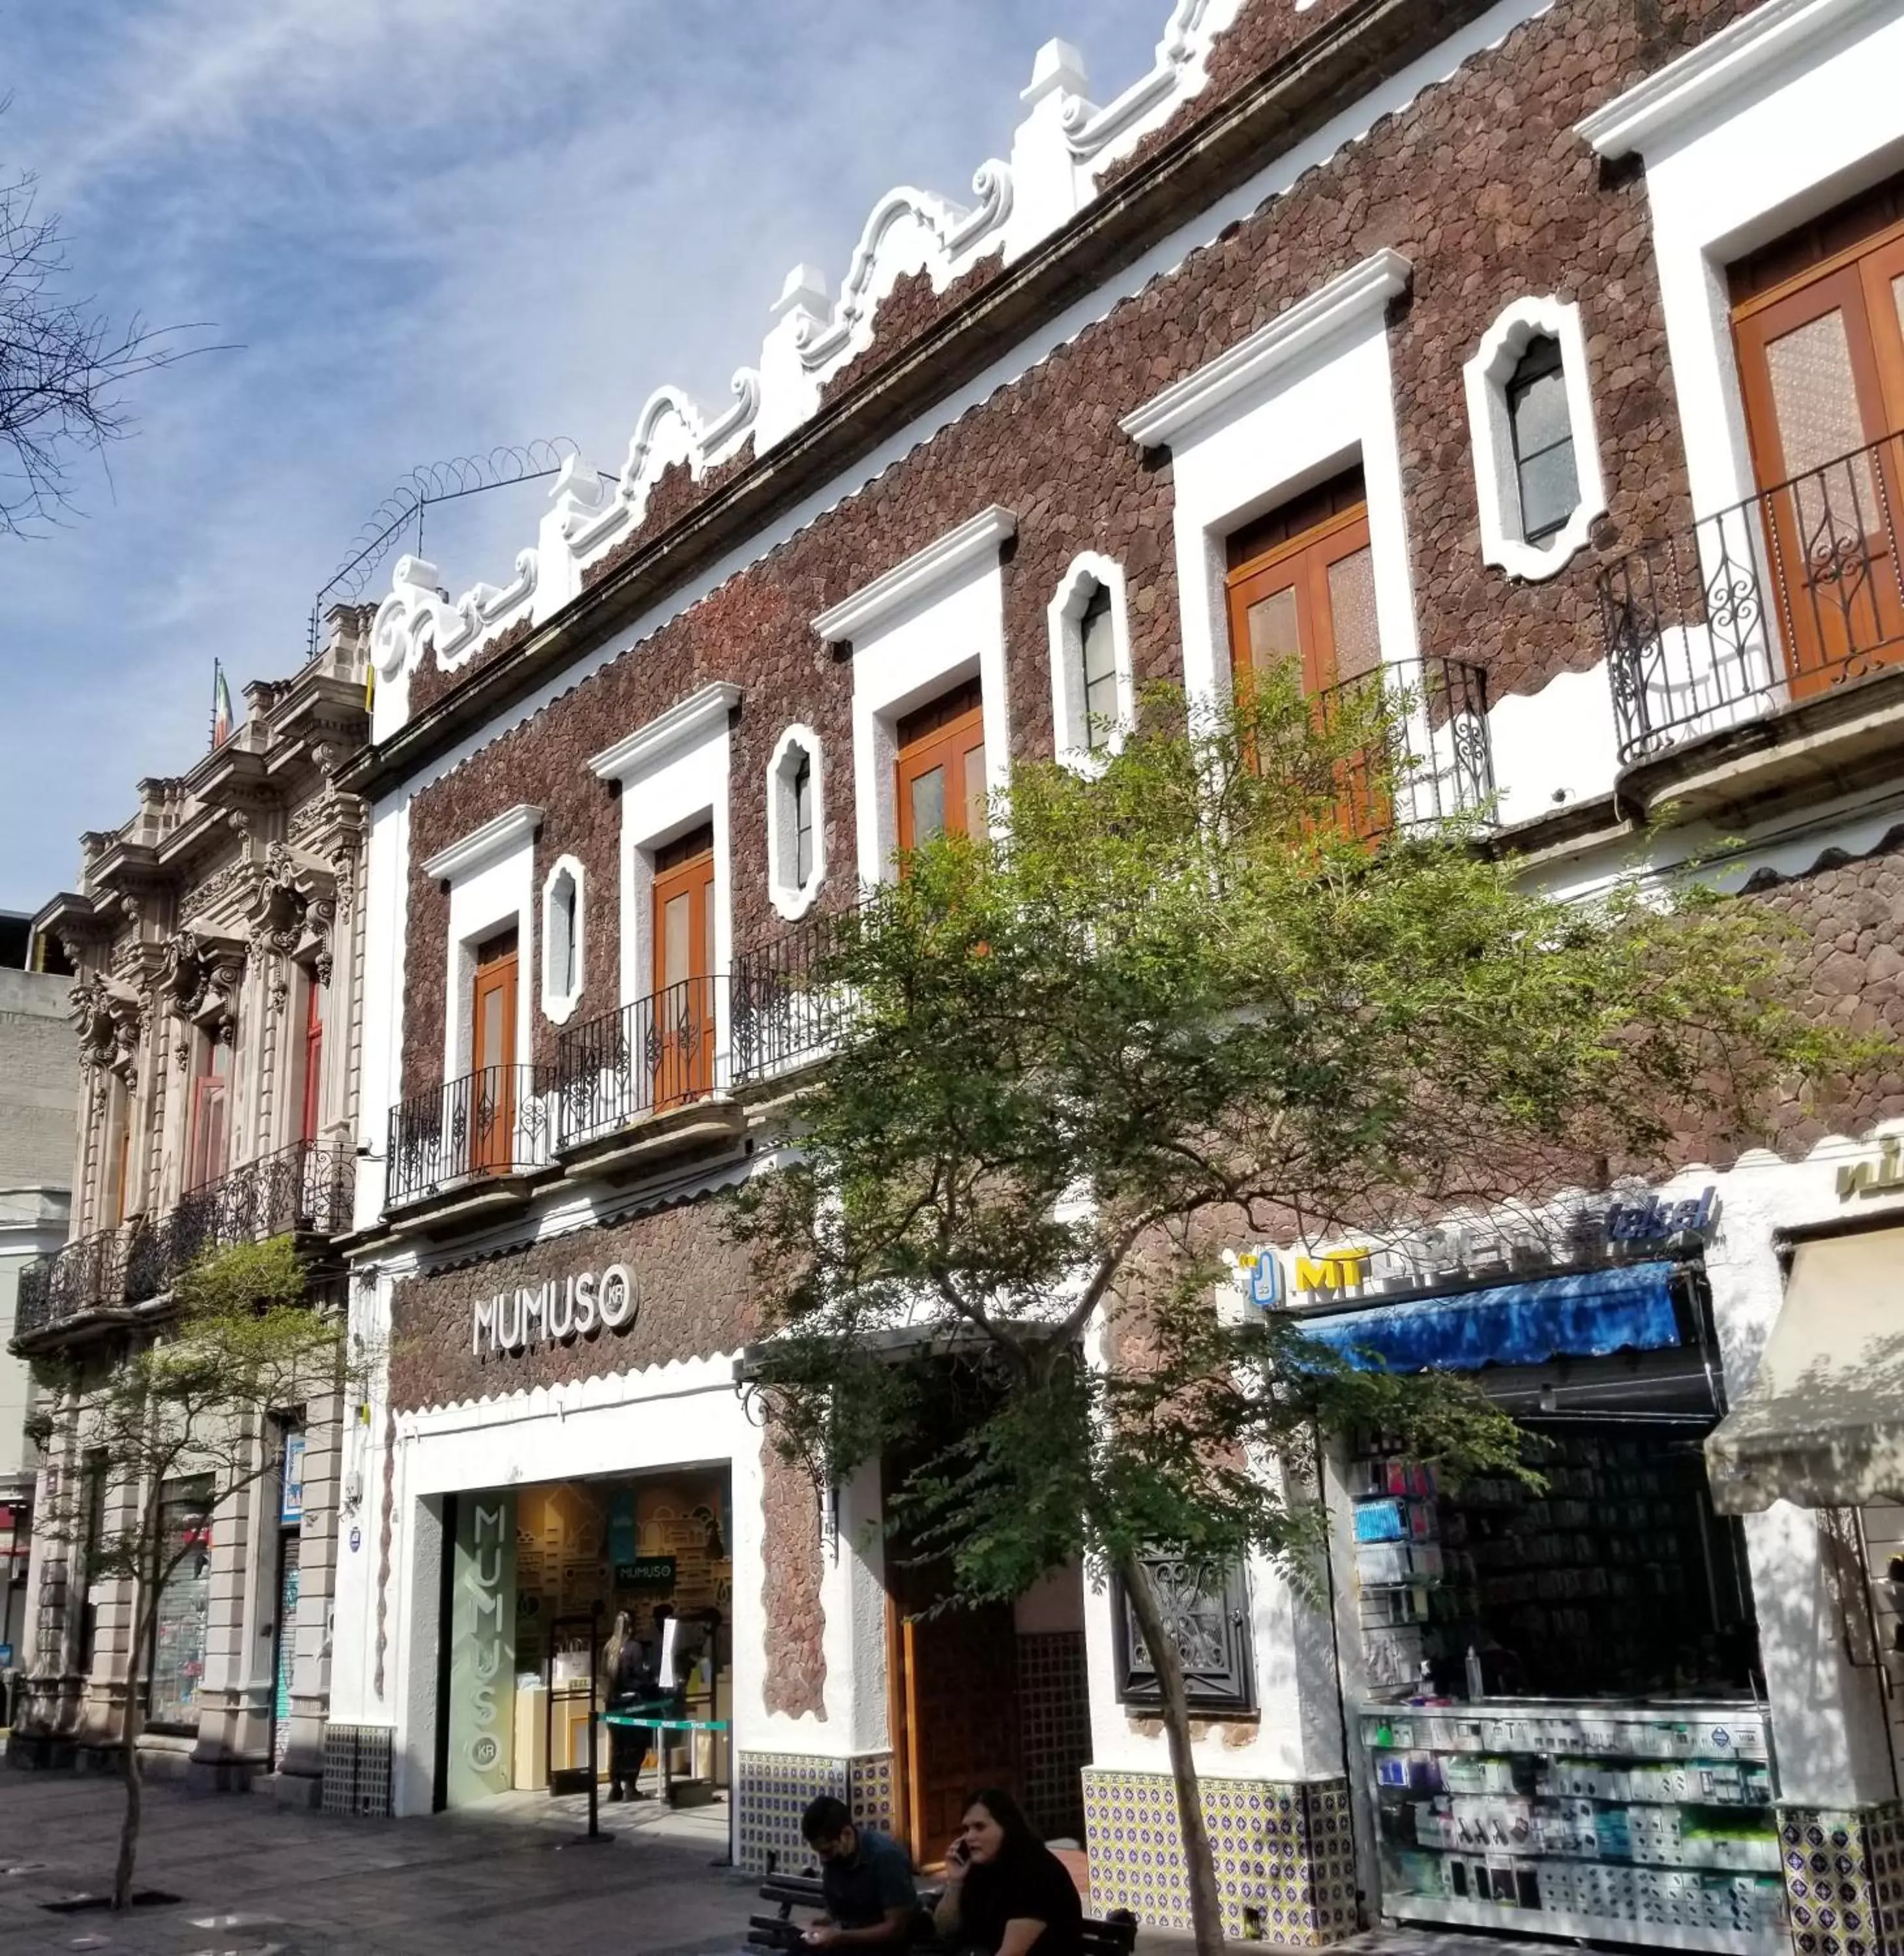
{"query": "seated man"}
[(866, 1878)]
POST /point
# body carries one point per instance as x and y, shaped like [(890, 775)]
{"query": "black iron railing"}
[(1793, 591), (305, 1189), (1436, 762), (783, 1014), (497, 1121), (662, 1051)]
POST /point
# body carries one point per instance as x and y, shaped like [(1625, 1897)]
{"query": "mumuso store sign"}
[(557, 1311)]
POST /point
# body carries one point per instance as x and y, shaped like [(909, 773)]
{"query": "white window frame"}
[(1298, 401), (924, 626), (1780, 116), (673, 774), (558, 1006), (1497, 481), (1064, 617), (793, 899), (491, 876)]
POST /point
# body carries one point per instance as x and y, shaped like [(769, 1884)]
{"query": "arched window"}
[(1097, 662), (1536, 463), (1093, 691), (796, 822), (562, 929), (1543, 440)]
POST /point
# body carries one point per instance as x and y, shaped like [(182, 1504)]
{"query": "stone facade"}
[(694, 1292), (795, 1655)]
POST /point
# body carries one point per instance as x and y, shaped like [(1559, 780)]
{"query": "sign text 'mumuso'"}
[(556, 1312)]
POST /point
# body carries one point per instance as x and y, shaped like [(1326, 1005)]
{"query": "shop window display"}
[(1571, 1741), (579, 1553), (177, 1661)]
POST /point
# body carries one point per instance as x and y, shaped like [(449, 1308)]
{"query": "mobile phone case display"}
[(1399, 1562), (1633, 1822)]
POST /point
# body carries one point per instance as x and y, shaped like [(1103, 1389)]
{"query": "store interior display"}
[(586, 1551), (1567, 1740)]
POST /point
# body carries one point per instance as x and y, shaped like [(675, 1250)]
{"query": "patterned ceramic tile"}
[(1844, 1878), (1285, 1864), (772, 1791)]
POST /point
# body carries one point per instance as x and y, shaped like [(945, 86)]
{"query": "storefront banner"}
[(291, 1482), (482, 1648), (556, 1312), (1585, 1316)]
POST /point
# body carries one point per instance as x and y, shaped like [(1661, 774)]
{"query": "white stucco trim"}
[(1344, 306), (1300, 425), (484, 901), (1706, 80), (1070, 738), (484, 846), (793, 899), (943, 637), (687, 721), (557, 1006), (1496, 487), (950, 557), (674, 775), (1779, 118)]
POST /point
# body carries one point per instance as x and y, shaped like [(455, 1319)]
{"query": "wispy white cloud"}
[(426, 227)]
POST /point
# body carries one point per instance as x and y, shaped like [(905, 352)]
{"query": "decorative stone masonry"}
[(772, 1789), (1285, 1856), (1844, 1878)]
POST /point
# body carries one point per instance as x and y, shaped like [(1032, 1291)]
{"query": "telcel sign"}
[(556, 1312)]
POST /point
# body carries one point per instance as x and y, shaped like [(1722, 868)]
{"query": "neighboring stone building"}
[(39, 1098), (218, 942), (1546, 360)]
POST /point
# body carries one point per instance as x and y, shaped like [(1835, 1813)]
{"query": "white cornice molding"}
[(694, 718), (1778, 36), (1351, 300), (953, 552), (482, 846)]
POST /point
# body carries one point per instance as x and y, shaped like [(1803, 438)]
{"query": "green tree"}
[(192, 1399), (1190, 1000)]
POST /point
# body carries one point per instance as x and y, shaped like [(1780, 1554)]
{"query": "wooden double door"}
[(1818, 323), (681, 1036)]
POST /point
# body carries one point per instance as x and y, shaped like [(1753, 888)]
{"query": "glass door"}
[(682, 1034), (1821, 367)]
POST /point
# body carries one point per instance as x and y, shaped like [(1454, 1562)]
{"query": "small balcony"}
[(305, 1190), (1767, 606), (494, 1123), (1440, 764)]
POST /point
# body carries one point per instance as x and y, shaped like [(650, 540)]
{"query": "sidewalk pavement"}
[(513, 1879)]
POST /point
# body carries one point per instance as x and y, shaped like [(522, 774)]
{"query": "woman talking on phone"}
[(1006, 1893)]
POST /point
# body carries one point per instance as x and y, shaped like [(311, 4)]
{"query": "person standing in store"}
[(630, 1680), (1006, 1893), (865, 1877)]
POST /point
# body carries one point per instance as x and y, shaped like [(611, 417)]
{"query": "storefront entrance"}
[(534, 1578), (993, 1695)]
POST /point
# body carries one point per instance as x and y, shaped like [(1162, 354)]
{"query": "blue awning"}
[(1583, 1315)]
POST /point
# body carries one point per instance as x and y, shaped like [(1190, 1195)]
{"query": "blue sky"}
[(425, 227)]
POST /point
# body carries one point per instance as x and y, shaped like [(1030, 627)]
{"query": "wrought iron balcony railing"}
[(1439, 763), (305, 1189), (497, 1121), (1797, 589), (662, 1051), (782, 1015)]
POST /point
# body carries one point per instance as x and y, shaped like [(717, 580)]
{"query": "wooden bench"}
[(1114, 1935)]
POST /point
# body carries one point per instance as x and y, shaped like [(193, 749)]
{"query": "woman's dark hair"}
[(1018, 1831)]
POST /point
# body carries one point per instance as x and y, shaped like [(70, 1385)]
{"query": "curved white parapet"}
[(1060, 149)]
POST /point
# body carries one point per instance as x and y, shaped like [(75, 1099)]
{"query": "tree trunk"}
[(143, 1604), (1199, 1865)]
